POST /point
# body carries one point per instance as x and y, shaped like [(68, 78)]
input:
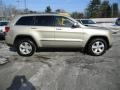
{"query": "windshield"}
[(87, 22), (3, 23)]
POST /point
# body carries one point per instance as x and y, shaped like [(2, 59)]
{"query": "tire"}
[(25, 47), (97, 47)]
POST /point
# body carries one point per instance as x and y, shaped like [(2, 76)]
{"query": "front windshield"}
[(3, 23)]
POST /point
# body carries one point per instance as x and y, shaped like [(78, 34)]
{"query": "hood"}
[(96, 27), (2, 28)]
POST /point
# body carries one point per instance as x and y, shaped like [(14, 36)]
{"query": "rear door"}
[(22, 26), (44, 26)]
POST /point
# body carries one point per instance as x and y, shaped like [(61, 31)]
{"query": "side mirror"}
[(75, 25)]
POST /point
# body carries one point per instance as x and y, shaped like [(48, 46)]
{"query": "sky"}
[(40, 5)]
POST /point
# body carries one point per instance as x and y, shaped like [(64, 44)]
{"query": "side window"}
[(63, 21), (28, 20), (44, 21)]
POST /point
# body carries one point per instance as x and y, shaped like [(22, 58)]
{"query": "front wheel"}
[(25, 47), (97, 47)]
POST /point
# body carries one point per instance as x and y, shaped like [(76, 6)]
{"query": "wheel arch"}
[(25, 37), (94, 37)]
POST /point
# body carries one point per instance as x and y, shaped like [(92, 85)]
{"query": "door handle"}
[(33, 28), (58, 29)]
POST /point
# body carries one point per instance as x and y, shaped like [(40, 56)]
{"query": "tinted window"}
[(79, 21), (63, 22), (87, 22), (44, 21), (28, 20), (3, 23)]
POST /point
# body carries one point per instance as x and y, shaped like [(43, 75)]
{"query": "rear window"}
[(44, 21), (28, 20), (3, 23)]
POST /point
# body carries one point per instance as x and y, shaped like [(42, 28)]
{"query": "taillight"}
[(7, 29)]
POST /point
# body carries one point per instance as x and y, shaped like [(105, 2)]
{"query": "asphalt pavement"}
[(60, 69)]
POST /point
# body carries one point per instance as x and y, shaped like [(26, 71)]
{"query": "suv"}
[(118, 22), (29, 32), (87, 22)]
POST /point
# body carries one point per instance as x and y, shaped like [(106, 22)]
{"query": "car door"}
[(44, 26), (65, 34)]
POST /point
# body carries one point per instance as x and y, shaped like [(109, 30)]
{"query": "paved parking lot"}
[(61, 69)]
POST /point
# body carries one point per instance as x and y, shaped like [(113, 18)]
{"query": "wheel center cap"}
[(98, 47)]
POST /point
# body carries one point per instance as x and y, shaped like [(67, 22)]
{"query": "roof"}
[(83, 19), (47, 14)]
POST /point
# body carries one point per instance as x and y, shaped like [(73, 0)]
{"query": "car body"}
[(91, 23), (117, 22), (2, 28), (87, 22), (29, 32)]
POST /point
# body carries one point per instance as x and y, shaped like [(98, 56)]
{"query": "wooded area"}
[(95, 9)]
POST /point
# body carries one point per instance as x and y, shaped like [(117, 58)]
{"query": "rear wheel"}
[(97, 47), (26, 47)]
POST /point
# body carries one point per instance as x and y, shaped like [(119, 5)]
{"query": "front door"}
[(65, 34)]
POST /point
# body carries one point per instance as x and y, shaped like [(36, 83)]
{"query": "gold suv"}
[(29, 32)]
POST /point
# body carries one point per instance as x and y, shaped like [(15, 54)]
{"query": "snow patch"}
[(3, 60)]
